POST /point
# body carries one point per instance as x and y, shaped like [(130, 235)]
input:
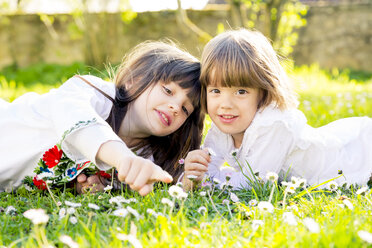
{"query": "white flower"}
[(175, 191), (67, 240), (72, 204), (311, 225), (216, 180), (291, 188), (265, 206), (73, 220), (131, 239), (332, 186), (348, 204), (294, 181), (151, 212), (301, 183), (121, 212), (272, 176), (107, 188), (71, 210), (192, 177), (226, 202), (10, 210), (202, 209), (133, 212), (290, 218), (362, 190), (234, 197), (62, 213), (203, 193), (256, 224), (252, 202), (118, 200), (37, 216), (168, 202), (93, 206), (365, 236)]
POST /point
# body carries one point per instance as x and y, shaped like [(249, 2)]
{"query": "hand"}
[(196, 163), (140, 174), (90, 184)]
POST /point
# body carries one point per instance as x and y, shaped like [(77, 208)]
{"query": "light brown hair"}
[(148, 64), (246, 58)]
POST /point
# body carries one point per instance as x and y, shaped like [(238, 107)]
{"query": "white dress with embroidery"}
[(34, 123), (281, 142)]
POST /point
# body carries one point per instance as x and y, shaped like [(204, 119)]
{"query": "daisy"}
[(67, 240), (272, 176), (265, 206), (72, 204), (202, 210), (168, 202), (365, 236), (234, 197), (37, 216), (121, 212), (133, 212), (311, 225), (362, 190), (93, 206), (290, 218), (73, 220)]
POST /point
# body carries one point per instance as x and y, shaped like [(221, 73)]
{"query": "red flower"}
[(103, 174), (52, 157), (40, 184)]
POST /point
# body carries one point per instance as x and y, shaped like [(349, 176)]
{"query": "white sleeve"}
[(78, 107), (270, 149)]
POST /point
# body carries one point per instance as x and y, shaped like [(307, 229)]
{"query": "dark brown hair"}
[(148, 64), (246, 58)]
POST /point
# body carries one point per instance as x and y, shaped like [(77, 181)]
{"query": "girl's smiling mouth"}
[(227, 118), (164, 118)]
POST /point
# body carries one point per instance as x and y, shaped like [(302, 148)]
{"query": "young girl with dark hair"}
[(141, 125)]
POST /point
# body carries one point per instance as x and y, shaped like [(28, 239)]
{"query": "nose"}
[(226, 101), (175, 108)]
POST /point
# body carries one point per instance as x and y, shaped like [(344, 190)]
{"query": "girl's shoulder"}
[(271, 115), (85, 82)]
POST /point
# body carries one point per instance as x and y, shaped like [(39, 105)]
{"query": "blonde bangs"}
[(224, 65)]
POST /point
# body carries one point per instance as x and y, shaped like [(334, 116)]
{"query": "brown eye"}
[(241, 92), (185, 110), (168, 91), (215, 91)]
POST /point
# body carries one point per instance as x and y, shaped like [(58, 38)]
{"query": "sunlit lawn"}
[(206, 218)]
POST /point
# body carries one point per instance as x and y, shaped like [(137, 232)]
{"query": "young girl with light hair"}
[(256, 122)]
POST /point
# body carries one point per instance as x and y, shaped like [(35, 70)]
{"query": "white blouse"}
[(34, 123), (281, 141)]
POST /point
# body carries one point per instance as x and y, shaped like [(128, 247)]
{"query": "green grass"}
[(324, 97)]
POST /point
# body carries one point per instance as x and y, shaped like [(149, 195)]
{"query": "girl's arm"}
[(139, 173)]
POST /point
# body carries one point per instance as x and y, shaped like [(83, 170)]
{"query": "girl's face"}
[(232, 109), (160, 110)]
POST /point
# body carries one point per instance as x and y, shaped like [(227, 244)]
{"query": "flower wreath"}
[(56, 169)]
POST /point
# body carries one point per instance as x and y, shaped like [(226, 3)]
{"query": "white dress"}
[(282, 142), (34, 123)]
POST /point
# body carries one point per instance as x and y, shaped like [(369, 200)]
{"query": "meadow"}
[(267, 215)]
